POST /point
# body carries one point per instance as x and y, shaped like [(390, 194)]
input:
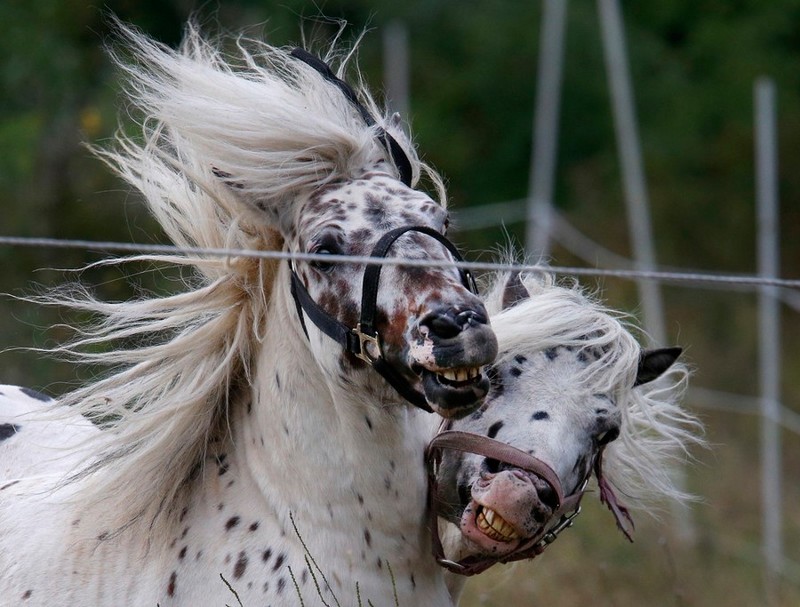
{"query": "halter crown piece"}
[(363, 340), (394, 149)]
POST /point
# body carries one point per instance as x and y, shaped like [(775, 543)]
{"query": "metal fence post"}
[(769, 329)]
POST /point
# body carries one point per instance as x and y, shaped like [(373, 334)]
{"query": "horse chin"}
[(454, 393), (487, 533)]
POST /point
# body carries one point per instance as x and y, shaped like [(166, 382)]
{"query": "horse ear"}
[(514, 291), (654, 363)]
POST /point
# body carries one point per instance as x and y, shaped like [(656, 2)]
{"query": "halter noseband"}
[(363, 340), (567, 508)]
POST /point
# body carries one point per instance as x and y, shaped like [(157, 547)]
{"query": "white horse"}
[(573, 395), (254, 438)]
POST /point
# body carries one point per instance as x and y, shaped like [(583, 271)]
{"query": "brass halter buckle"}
[(369, 345)]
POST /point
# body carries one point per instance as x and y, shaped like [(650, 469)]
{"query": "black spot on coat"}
[(494, 429), (8, 430), (34, 394), (231, 523)]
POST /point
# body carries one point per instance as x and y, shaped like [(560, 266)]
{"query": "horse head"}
[(568, 381), (423, 329)]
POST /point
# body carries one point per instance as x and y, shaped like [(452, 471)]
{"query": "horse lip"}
[(455, 400), (483, 543)]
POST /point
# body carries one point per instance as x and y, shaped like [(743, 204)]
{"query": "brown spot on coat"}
[(240, 566), (173, 578)]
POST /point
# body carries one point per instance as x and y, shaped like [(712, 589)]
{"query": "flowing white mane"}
[(257, 126), (656, 432)]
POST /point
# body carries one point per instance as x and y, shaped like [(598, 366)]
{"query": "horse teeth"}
[(460, 375), (495, 526)]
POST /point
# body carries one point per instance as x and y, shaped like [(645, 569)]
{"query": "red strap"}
[(488, 447), (568, 507)]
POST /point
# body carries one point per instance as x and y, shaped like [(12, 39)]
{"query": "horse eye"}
[(322, 266), (325, 246), (607, 436), (446, 225)]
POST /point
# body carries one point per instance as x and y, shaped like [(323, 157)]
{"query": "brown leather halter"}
[(567, 507)]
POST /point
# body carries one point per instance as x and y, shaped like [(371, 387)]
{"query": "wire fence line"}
[(576, 242), (677, 277), (706, 398), (727, 402)]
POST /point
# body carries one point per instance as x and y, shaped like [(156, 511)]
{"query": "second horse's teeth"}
[(495, 526)]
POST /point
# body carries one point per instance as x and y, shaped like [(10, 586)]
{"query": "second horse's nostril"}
[(548, 496)]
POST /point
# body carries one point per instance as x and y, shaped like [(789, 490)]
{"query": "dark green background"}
[(473, 64)]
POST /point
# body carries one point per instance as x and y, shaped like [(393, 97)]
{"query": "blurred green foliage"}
[(473, 68)]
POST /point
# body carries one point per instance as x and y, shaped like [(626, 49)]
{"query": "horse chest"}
[(336, 541)]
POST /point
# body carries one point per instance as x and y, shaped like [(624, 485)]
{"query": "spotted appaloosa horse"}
[(240, 439), (571, 388)]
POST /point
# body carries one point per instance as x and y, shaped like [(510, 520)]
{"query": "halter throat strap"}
[(389, 143), (363, 340)]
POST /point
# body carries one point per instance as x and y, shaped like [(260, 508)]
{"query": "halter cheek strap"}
[(363, 340)]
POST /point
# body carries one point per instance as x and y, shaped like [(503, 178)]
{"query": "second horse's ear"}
[(654, 363), (514, 291)]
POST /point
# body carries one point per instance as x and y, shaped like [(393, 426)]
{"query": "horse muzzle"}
[(451, 348)]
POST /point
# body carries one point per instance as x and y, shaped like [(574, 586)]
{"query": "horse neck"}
[(345, 466)]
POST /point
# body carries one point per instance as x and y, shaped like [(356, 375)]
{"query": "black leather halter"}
[(363, 340)]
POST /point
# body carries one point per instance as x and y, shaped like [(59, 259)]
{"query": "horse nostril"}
[(548, 496), (446, 324), (470, 317), (492, 465)]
